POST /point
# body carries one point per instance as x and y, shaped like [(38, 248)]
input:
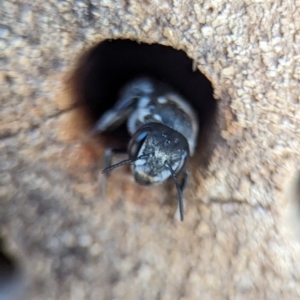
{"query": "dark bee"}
[(164, 131)]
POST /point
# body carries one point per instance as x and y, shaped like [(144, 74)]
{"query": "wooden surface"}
[(235, 242)]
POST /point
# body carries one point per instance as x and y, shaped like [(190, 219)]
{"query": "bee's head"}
[(154, 149), (156, 153)]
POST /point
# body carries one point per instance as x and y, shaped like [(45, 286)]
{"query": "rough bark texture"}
[(235, 241)]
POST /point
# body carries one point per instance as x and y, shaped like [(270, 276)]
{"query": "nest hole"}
[(104, 69), (11, 284)]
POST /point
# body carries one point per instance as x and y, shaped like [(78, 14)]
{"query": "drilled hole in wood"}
[(104, 70), (11, 281)]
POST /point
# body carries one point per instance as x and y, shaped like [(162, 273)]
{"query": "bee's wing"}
[(114, 117)]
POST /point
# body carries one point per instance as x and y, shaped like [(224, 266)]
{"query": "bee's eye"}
[(136, 142)]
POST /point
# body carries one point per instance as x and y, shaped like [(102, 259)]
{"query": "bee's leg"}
[(108, 156), (184, 180), (116, 116), (183, 184), (110, 120)]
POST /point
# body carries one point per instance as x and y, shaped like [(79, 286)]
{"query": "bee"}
[(163, 129)]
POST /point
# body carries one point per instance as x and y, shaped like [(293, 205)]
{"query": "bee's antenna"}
[(180, 199), (121, 163)]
